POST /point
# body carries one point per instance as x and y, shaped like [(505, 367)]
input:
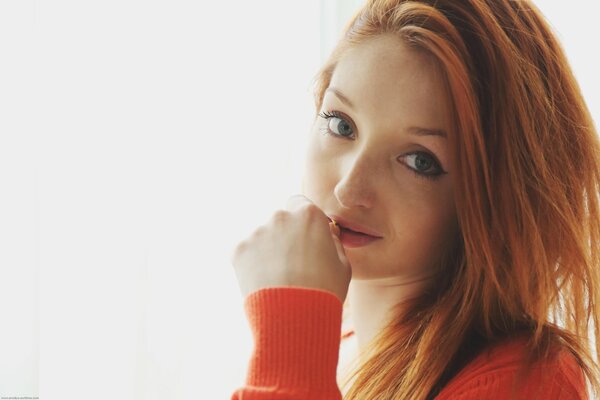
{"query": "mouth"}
[(345, 229), (354, 239), (351, 231)]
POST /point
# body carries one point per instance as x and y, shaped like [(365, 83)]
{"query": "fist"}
[(298, 247)]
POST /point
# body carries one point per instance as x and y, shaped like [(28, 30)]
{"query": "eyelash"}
[(334, 114)]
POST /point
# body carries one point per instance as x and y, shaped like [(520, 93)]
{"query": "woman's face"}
[(379, 172)]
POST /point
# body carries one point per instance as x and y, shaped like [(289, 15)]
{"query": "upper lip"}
[(346, 223)]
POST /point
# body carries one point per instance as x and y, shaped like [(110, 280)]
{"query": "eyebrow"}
[(414, 129), (427, 132), (339, 94)]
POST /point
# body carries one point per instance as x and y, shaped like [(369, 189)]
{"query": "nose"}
[(356, 187)]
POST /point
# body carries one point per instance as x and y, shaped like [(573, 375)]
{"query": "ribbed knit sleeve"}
[(297, 334)]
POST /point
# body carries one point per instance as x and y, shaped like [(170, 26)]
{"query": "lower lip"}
[(353, 239)]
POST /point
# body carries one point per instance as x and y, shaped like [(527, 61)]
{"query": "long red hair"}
[(526, 256)]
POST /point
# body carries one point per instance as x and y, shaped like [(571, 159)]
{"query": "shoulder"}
[(502, 368)]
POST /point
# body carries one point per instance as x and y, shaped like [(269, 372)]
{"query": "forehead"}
[(385, 77)]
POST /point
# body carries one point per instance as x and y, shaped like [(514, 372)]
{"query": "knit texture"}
[(297, 335)]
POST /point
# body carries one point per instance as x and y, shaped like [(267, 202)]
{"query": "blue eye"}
[(421, 163), (343, 126)]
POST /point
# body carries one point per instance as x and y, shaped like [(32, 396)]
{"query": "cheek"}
[(432, 210), (421, 228)]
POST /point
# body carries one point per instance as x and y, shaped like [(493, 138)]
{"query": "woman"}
[(455, 134)]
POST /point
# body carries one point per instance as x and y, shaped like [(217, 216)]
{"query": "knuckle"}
[(258, 231), (237, 250), (310, 211), (280, 216)]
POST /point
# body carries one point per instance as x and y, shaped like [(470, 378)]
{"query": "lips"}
[(351, 239), (353, 227)]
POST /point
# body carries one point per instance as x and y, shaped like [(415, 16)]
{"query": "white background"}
[(140, 141)]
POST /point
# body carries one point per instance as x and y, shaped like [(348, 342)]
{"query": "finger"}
[(340, 251), (335, 228)]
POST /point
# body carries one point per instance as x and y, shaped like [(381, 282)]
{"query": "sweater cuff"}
[(297, 338)]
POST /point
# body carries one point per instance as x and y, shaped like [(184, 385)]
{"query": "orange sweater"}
[(297, 335)]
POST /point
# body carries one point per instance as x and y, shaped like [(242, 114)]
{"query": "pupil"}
[(344, 128), (421, 164)]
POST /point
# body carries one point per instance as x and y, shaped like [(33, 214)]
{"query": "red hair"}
[(526, 254)]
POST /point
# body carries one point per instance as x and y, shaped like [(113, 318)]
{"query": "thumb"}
[(335, 232)]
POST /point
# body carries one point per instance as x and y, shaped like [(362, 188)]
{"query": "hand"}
[(296, 247)]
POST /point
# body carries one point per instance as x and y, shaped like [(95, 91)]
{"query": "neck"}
[(371, 300)]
